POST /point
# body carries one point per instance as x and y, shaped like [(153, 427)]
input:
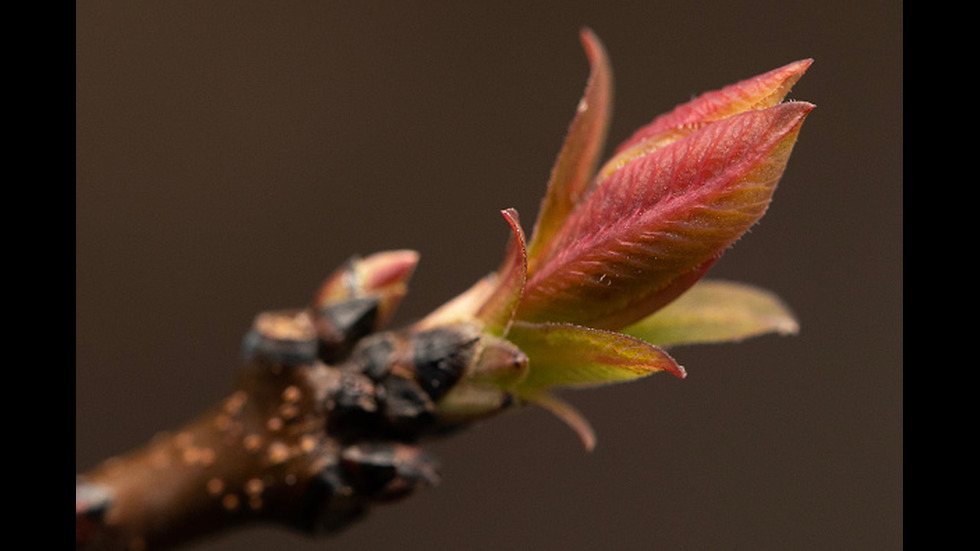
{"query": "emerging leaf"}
[(716, 311), (563, 355), (498, 310), (612, 247), (463, 307), (573, 171), (759, 92), (660, 217)]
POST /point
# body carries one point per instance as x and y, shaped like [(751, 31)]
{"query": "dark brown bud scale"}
[(388, 471), (407, 409), (441, 356), (373, 355), (329, 503), (341, 325), (352, 407)]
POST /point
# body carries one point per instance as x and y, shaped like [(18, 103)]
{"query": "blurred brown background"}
[(228, 155)]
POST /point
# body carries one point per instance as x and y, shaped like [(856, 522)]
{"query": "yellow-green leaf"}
[(564, 355), (716, 311)]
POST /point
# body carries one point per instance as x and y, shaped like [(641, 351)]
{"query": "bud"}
[(383, 276), (614, 245), (358, 299)]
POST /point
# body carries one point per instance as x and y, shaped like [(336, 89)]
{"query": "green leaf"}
[(716, 311), (563, 355)]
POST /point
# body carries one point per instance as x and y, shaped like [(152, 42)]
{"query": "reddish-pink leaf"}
[(759, 92), (579, 156), (651, 223), (498, 311)]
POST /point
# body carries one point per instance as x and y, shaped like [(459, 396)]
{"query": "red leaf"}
[(759, 92), (579, 156), (661, 216), (498, 311)]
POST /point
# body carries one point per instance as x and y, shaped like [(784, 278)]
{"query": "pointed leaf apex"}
[(388, 268), (565, 355), (498, 311), (575, 166), (567, 413), (717, 311), (594, 49), (645, 233), (752, 94)]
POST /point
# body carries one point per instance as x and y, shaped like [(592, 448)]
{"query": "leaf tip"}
[(498, 310), (786, 326), (567, 413), (594, 48)]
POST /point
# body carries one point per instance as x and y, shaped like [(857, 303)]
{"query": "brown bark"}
[(299, 442)]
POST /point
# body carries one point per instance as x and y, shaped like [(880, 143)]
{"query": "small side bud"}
[(484, 390), (500, 363), (383, 276)]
